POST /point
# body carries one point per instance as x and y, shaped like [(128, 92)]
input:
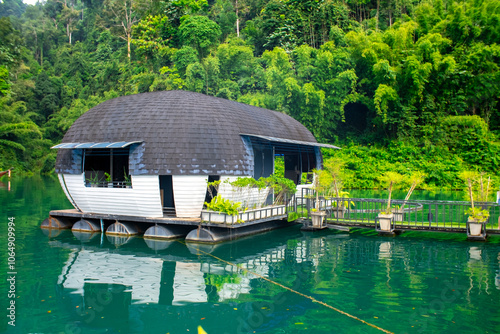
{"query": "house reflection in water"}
[(154, 280), (121, 289)]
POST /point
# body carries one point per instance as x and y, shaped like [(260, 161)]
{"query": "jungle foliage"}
[(400, 85)]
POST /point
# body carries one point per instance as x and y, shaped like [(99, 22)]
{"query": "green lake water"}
[(284, 281)]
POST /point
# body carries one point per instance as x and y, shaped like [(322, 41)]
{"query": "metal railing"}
[(416, 214)]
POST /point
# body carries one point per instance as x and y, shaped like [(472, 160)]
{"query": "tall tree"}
[(120, 16), (199, 32), (40, 29), (69, 16)]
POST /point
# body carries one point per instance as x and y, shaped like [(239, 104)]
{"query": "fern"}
[(222, 205)]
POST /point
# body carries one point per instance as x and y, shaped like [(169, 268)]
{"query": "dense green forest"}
[(399, 84)]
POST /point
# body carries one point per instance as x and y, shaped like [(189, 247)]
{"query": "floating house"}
[(152, 154)]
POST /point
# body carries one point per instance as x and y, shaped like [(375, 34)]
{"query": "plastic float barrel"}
[(166, 232), (56, 222), (86, 236), (86, 225), (202, 235), (123, 228)]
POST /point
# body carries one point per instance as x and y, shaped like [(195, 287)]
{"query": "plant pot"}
[(217, 217), (338, 212), (475, 227), (278, 210), (398, 215), (385, 221), (250, 215), (317, 218)]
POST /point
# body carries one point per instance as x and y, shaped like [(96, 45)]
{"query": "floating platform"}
[(161, 228)]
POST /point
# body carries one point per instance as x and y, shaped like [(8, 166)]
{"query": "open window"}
[(107, 168), (299, 157)]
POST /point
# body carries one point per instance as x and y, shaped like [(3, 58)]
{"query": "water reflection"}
[(101, 281), (118, 240), (84, 283), (157, 245), (5, 186), (82, 236), (497, 278), (135, 283)]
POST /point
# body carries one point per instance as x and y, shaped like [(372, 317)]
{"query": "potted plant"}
[(317, 215), (414, 180), (221, 210), (108, 180), (477, 217), (333, 176), (126, 180), (390, 179), (94, 179), (283, 188)]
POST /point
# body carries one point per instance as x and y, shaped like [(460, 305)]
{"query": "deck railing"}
[(271, 209), (416, 214)]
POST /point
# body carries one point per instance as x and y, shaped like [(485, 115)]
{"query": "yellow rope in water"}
[(314, 300)]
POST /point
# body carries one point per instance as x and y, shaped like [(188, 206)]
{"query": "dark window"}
[(212, 191), (106, 168)]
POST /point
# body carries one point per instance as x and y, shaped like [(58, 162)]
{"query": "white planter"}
[(385, 221), (398, 215), (339, 212), (217, 217), (475, 229), (249, 215), (317, 218), (278, 210)]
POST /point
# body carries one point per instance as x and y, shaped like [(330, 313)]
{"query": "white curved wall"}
[(189, 194), (248, 197), (142, 200)]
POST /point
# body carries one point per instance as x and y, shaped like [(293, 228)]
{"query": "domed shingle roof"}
[(183, 132)]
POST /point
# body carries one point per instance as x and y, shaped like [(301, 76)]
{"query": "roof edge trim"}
[(290, 141), (118, 144)]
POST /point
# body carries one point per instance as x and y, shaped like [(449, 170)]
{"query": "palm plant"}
[(390, 180), (472, 178), (414, 179)]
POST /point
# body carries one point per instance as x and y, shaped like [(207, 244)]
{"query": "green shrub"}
[(222, 205)]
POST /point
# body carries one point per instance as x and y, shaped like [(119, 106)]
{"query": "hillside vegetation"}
[(399, 84)]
